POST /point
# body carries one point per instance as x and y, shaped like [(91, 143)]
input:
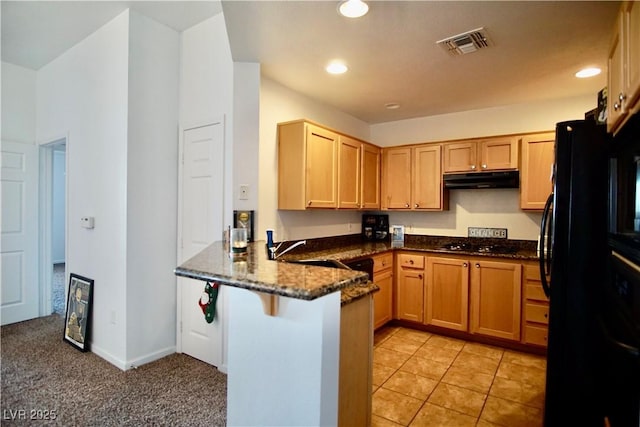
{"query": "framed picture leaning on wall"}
[(78, 315)]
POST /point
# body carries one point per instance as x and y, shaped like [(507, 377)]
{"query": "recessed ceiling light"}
[(353, 8), (336, 67), (392, 106), (588, 72)]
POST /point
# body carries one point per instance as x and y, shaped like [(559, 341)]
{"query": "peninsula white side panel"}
[(283, 369)]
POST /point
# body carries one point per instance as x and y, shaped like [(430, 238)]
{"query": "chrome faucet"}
[(295, 245)]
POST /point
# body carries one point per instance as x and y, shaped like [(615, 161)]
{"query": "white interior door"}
[(19, 247), (201, 224)]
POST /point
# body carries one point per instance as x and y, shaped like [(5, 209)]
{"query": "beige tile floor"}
[(422, 379)]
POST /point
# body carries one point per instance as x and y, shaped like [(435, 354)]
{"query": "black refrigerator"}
[(573, 253)]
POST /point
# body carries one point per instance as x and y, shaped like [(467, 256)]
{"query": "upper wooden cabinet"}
[(412, 178), (476, 155), (320, 168), (349, 172), (370, 177), (624, 67), (307, 166), (536, 163)]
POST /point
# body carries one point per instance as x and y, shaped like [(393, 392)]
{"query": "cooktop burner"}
[(468, 247)]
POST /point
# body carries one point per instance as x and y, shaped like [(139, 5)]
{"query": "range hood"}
[(506, 179)]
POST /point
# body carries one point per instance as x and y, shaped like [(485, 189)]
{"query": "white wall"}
[(206, 89), (18, 104), (83, 93), (280, 104), (58, 228), (152, 181)]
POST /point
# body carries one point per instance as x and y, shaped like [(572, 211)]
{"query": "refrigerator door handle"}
[(545, 247)]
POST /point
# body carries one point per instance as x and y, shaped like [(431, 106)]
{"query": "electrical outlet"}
[(244, 192)]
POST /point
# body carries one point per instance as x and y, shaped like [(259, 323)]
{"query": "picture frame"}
[(77, 320), (397, 235), (244, 219)]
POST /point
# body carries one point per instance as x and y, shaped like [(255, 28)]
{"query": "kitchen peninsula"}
[(286, 346)]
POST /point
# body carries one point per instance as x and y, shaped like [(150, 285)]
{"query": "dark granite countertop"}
[(346, 248), (256, 273)]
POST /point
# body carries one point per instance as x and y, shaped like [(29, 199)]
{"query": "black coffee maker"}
[(375, 227)]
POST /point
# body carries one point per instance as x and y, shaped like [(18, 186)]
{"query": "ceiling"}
[(535, 47)]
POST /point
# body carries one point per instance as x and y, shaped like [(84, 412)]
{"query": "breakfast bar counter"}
[(299, 338)]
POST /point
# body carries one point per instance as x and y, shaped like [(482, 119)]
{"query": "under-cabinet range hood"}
[(505, 179)]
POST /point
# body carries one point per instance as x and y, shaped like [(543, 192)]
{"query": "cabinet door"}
[(498, 153), (370, 177), (427, 178), (396, 178), (349, 167), (383, 299), (537, 158), (496, 299), (615, 68), (410, 294), (631, 11), (459, 157), (447, 297), (321, 173)]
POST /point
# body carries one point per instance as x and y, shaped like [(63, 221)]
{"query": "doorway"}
[(53, 185)]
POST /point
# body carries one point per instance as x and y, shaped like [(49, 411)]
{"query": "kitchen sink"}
[(333, 263)]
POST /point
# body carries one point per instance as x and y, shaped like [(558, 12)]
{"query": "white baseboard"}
[(132, 364), (151, 357)]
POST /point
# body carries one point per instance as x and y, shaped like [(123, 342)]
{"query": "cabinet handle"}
[(309, 203), (473, 167), (420, 276), (417, 205), (622, 97), (484, 166), (411, 261), (407, 205), (477, 265), (464, 264), (616, 106), (546, 315)]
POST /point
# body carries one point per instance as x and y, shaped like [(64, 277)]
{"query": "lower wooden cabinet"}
[(410, 287), (446, 299), (496, 299), (383, 299), (535, 316)]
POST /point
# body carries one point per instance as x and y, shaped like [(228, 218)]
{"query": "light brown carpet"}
[(40, 372)]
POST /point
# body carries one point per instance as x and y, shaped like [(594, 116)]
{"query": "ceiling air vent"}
[(466, 42)]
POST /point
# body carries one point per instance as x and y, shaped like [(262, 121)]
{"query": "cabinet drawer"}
[(411, 261), (534, 291), (537, 313), (382, 262), (535, 335)]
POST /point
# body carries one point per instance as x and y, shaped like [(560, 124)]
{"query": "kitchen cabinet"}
[(535, 316), (409, 287), (349, 172), (447, 293), (307, 166), (495, 298), (412, 178), (370, 177), (355, 376), (536, 167), (497, 153), (623, 92), (383, 299)]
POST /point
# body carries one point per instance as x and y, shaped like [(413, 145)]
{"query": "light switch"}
[(87, 222), (244, 192)]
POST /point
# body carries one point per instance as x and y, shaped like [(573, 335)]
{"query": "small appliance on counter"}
[(375, 227)]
